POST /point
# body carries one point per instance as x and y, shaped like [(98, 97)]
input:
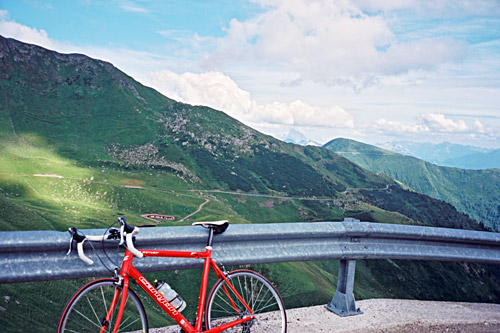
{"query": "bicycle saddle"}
[(218, 226)]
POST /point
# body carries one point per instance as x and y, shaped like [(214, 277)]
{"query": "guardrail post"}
[(343, 303)]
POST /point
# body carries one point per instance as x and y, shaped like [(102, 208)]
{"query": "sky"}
[(370, 70)]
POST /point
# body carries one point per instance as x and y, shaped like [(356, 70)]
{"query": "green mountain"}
[(474, 192), (76, 117), (81, 142)]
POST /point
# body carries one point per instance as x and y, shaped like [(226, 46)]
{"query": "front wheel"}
[(87, 309), (265, 303)]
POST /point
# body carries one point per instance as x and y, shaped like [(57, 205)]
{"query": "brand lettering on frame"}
[(150, 252)]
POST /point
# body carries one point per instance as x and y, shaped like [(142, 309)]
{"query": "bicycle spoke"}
[(242, 294), (72, 331), (224, 308), (267, 306), (253, 296), (259, 295), (223, 297), (88, 319), (92, 307), (129, 324), (81, 326), (94, 300), (264, 297)]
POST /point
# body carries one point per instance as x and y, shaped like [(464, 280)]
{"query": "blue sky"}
[(374, 71)]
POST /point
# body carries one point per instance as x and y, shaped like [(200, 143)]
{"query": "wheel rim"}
[(258, 293), (89, 308)]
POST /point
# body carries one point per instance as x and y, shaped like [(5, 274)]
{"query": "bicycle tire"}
[(89, 305), (263, 299)]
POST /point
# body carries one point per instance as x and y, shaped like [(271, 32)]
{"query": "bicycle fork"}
[(106, 321)]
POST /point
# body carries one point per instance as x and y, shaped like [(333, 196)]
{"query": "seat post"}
[(210, 236)]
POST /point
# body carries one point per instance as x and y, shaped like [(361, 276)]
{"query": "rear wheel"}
[(87, 309), (223, 305)]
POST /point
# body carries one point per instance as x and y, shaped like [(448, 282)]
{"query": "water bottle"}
[(170, 295)]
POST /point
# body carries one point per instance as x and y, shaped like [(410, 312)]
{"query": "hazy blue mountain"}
[(447, 154), (481, 160), (474, 192)]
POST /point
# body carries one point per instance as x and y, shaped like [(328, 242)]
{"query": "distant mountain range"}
[(477, 161), (474, 192), (448, 154), (296, 137)]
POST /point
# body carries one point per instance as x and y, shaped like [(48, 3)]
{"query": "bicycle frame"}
[(129, 271)]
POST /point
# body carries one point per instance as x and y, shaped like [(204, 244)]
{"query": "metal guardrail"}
[(40, 255)]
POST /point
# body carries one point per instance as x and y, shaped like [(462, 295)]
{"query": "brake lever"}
[(76, 236), (80, 239), (70, 242), (122, 231)]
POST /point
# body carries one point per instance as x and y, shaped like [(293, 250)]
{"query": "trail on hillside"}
[(196, 211)]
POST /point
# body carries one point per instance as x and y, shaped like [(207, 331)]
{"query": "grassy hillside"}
[(81, 142), (474, 192), (89, 130)]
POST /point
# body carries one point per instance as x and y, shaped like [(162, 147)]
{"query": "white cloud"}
[(424, 54), (212, 89), (438, 122), (383, 125), (442, 8), (134, 9), (434, 125), (26, 34), (219, 91), (130, 6), (328, 42), (302, 114), (345, 46), (487, 132), (4, 15), (478, 125)]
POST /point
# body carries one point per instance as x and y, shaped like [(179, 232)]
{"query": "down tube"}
[(161, 301)]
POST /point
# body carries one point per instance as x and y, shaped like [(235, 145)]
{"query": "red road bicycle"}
[(240, 301)]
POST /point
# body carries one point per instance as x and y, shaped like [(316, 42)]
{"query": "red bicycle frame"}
[(129, 271)]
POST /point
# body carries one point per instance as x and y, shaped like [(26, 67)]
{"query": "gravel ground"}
[(391, 316)]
